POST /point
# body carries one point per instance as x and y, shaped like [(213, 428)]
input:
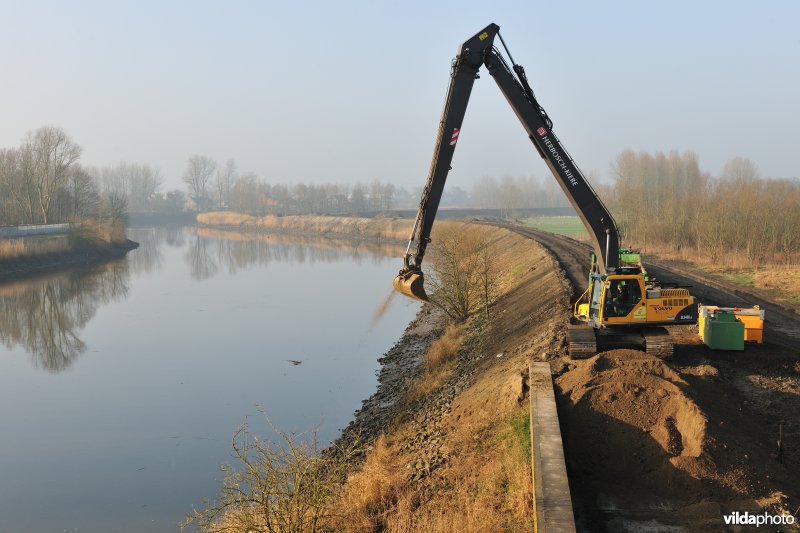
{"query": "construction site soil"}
[(674, 445)]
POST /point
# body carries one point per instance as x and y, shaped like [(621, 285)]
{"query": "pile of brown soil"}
[(643, 439)]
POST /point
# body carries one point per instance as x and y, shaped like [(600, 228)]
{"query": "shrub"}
[(281, 485)]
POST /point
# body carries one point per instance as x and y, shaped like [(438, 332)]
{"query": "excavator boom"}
[(478, 51), (621, 298)]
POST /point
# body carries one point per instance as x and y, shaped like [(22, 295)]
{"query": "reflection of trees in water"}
[(148, 257), (235, 250), (174, 236), (201, 262), (46, 315)]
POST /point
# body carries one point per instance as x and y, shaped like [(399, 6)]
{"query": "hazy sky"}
[(345, 91)]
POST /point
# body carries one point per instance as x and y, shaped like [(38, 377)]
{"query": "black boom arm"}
[(462, 76), (595, 216), (477, 51)]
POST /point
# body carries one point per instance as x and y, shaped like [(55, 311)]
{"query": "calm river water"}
[(122, 385)]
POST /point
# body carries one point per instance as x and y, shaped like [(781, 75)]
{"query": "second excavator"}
[(622, 305)]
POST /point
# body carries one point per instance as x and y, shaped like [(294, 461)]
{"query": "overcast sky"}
[(345, 91)]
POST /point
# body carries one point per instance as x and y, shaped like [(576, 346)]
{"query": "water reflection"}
[(129, 436), (202, 264), (211, 250), (46, 315), (149, 257)]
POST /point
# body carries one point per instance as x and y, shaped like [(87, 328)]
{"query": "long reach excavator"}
[(622, 305)]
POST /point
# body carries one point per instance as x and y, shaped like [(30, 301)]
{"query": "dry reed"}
[(19, 247), (351, 227)]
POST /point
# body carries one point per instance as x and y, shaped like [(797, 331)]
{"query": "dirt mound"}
[(634, 433), (654, 446), (640, 390), (642, 437)]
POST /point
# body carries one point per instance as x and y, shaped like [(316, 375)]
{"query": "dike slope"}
[(448, 448)]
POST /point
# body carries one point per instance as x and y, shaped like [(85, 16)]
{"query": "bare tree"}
[(16, 186), (53, 153), (357, 199), (739, 170), (460, 269), (485, 192), (510, 196), (486, 270), (83, 192), (113, 216), (198, 172), (244, 194), (226, 176), (145, 183), (138, 183)]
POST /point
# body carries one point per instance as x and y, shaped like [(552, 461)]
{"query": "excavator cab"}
[(613, 300), (622, 300)]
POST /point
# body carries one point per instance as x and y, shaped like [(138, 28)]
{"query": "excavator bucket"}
[(411, 285)]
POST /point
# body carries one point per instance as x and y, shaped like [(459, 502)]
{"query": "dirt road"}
[(676, 445)]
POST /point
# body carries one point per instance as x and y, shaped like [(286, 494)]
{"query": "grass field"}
[(569, 226)]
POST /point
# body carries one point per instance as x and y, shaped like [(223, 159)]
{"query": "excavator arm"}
[(475, 52)]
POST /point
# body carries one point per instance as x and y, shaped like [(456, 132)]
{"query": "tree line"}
[(666, 201), (511, 193), (42, 182), (214, 186)]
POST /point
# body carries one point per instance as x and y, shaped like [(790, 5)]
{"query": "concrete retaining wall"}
[(38, 229), (552, 502)]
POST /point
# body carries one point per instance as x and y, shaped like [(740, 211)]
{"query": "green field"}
[(569, 226)]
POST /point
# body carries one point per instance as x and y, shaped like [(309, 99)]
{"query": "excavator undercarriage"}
[(584, 341)]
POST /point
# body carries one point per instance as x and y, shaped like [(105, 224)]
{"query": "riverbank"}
[(69, 254), (447, 434), (359, 228), (443, 444)]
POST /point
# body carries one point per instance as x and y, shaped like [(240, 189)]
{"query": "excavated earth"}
[(674, 445)]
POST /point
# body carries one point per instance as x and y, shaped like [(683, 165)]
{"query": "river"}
[(121, 385)]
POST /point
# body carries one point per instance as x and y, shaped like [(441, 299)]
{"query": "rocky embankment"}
[(390, 405), (446, 444)]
